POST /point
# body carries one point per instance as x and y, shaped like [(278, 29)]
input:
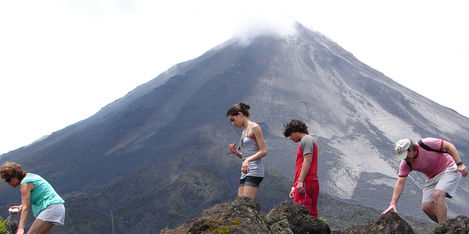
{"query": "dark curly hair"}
[(241, 107), (294, 126), (12, 170)]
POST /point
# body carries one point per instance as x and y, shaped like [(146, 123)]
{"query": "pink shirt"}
[(429, 163)]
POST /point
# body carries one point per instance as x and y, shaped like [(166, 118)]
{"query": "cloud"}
[(256, 26), (255, 18)]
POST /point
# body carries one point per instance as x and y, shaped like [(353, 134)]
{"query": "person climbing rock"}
[(439, 160)]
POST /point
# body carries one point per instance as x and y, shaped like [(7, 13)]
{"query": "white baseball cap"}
[(401, 148)]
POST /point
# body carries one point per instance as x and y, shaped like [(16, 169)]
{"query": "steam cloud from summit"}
[(264, 25)]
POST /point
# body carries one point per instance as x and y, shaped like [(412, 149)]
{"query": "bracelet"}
[(392, 203), (459, 163)]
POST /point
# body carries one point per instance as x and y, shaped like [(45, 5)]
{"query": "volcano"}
[(157, 156)]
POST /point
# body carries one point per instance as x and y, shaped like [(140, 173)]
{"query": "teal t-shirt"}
[(43, 195)]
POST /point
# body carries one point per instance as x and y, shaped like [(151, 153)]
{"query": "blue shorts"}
[(252, 181)]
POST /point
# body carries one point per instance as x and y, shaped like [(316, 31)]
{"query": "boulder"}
[(386, 224), (243, 215), (458, 225), (294, 218)]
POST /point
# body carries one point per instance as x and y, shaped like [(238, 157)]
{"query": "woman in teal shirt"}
[(36, 194)]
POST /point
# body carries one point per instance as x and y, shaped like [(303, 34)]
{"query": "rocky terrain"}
[(243, 215)]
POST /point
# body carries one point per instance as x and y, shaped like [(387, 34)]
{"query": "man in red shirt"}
[(305, 188)]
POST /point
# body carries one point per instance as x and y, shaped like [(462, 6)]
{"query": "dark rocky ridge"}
[(243, 215), (458, 225), (389, 223)]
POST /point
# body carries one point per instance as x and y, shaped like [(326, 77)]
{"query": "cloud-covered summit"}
[(256, 26)]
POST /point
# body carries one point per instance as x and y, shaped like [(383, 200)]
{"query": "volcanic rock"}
[(458, 225), (386, 224)]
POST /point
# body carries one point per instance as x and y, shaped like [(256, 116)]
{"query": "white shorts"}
[(54, 213), (448, 181)]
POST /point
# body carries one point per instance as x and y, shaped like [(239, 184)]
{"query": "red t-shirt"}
[(307, 146)]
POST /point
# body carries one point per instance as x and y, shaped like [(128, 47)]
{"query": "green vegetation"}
[(323, 219), (219, 228), (112, 223), (2, 225), (8, 226)]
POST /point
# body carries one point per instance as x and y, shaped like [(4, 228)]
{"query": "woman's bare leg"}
[(40, 227), (248, 191)]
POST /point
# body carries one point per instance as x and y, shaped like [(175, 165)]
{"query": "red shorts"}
[(310, 198)]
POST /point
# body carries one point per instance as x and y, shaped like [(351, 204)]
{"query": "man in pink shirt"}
[(440, 162)]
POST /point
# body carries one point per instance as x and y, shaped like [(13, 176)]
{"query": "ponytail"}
[(241, 107)]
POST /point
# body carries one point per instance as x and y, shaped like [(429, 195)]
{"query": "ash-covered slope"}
[(357, 113), (175, 125)]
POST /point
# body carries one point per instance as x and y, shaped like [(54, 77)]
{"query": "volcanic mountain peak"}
[(169, 130)]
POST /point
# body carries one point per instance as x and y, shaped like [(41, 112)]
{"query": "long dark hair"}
[(241, 107)]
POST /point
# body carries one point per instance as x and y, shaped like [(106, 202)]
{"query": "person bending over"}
[(36, 194), (440, 162)]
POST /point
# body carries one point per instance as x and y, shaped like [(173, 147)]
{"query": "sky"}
[(61, 61)]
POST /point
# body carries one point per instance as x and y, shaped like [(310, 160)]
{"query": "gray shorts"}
[(54, 213), (448, 181), (252, 181)]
